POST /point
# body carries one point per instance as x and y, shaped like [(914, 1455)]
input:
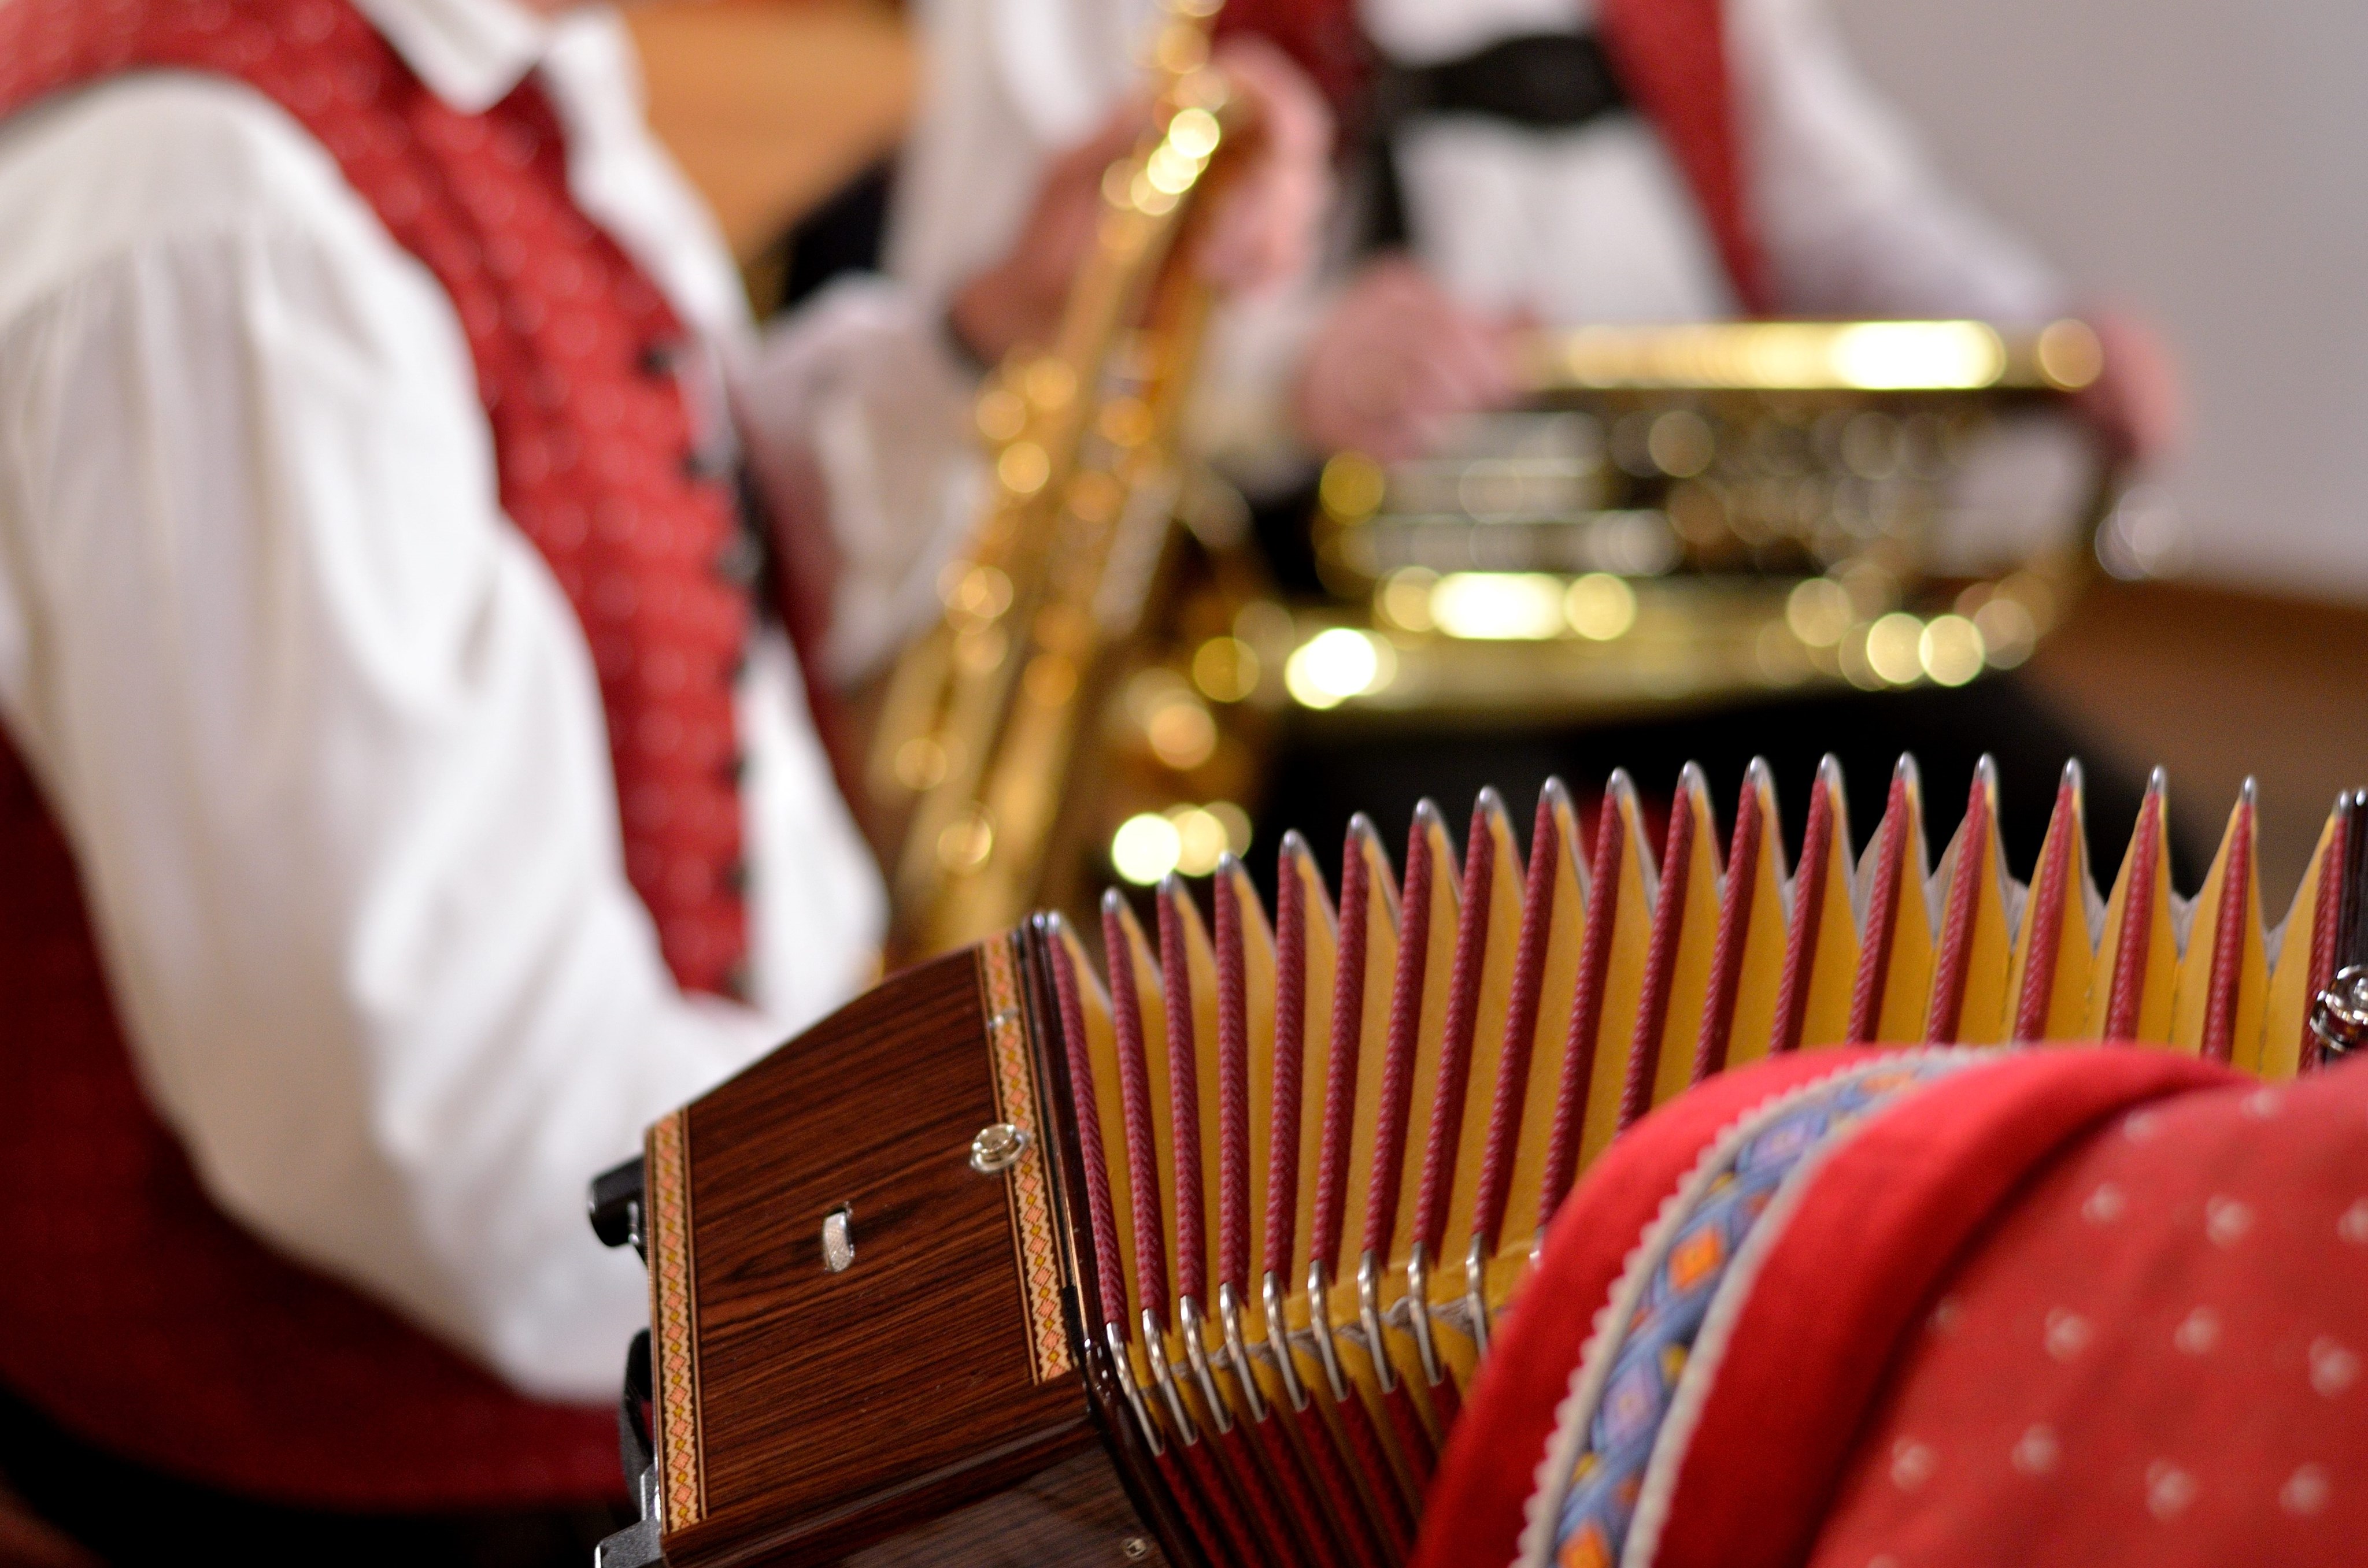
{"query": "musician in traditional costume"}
[(1548, 162), (1520, 163), (403, 798)]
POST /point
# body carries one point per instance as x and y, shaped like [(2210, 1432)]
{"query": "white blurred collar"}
[(471, 53)]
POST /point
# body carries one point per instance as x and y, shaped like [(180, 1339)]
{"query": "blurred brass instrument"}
[(1677, 515), (1694, 514), (986, 757)]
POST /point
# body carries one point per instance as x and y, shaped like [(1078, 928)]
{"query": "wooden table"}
[(2214, 685)]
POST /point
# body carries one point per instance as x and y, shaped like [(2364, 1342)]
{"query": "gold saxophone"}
[(983, 749)]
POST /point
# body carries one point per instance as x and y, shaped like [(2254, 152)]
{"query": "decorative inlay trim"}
[(673, 1319), (1028, 1186)]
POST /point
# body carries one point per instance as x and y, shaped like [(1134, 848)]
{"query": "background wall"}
[(2206, 161)]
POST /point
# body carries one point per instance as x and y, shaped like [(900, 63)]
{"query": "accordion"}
[(1188, 1254)]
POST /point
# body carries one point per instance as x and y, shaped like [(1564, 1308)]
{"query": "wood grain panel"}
[(837, 1408)]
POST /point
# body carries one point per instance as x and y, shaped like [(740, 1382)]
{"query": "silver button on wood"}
[(2339, 1014), (839, 1238), (997, 1148)]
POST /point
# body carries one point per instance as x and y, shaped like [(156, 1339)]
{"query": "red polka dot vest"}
[(133, 1310)]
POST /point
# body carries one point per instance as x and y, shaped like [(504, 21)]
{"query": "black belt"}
[(1546, 82), (1550, 82)]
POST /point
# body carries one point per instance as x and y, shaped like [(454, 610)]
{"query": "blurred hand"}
[(2138, 404), (1397, 360), (1260, 228)]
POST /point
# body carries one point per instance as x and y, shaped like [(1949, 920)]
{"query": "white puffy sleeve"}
[(326, 740), (855, 413)]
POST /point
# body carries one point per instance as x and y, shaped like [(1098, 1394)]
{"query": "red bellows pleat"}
[(1234, 1536), (2043, 917), (1289, 1058), (1311, 1527), (1347, 1035), (1445, 1141), (1392, 1520), (1185, 1484), (1254, 1485), (1520, 1024), (1949, 968), (1108, 1270), (1183, 1095), (1353, 1536), (2128, 993), (1414, 1438), (1587, 1006), (1364, 1536), (2228, 936), (1882, 914), (1660, 957), (1233, 1088), (2327, 914), (1134, 1099), (1388, 1494), (1808, 915), (1742, 888), (1446, 1399), (1405, 1028)]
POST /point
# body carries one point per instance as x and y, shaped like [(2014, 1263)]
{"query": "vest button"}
[(659, 360), (704, 467), (740, 560)]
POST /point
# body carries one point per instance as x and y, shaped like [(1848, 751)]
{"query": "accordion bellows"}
[(1277, 1171), (1348, 1126)]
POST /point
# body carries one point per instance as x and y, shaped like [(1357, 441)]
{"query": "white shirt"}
[(322, 731), (1592, 225)]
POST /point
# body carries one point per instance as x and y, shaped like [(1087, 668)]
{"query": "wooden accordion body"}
[(988, 1265), (935, 1389)]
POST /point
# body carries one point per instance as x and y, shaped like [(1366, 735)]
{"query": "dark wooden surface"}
[(837, 1409), (1072, 1516), (2215, 685)]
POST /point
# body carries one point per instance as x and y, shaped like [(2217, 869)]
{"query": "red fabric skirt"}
[(2081, 1306)]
